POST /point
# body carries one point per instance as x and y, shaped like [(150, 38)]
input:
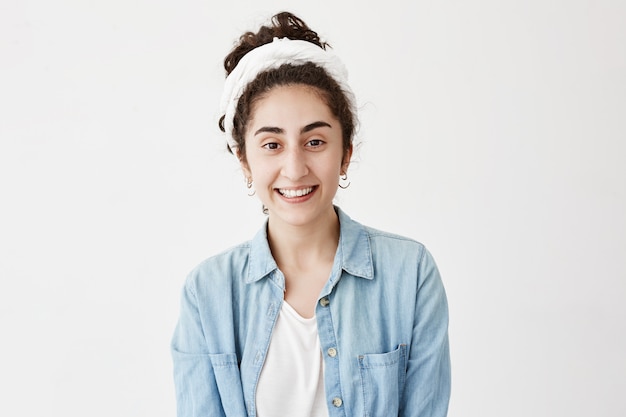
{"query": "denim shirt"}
[(382, 319)]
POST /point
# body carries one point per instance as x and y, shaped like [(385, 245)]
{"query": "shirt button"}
[(332, 352), (337, 402), (324, 302)]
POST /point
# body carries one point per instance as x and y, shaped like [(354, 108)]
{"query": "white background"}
[(492, 131)]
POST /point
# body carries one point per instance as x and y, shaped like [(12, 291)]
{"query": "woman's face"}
[(294, 155)]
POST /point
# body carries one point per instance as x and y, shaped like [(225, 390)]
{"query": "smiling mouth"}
[(287, 193)]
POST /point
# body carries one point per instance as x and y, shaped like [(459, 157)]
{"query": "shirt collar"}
[(353, 252)]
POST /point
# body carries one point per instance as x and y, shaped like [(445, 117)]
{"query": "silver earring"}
[(344, 177), (249, 186)]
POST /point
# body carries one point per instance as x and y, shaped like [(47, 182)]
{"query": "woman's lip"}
[(300, 187), (291, 193)]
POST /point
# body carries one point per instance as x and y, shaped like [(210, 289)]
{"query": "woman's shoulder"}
[(386, 243), (221, 268), (234, 252), (391, 237), (380, 242)]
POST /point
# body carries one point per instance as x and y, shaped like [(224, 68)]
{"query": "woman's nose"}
[(294, 165)]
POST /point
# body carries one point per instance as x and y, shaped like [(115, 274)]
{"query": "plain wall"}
[(491, 131)]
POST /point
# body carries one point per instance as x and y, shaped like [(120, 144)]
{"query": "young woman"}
[(317, 315)]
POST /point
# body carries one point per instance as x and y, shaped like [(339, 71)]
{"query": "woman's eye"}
[(315, 143), (271, 146)]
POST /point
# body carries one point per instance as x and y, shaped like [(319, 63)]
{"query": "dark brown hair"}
[(286, 25)]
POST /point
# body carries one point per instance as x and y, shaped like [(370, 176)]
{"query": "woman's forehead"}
[(290, 103)]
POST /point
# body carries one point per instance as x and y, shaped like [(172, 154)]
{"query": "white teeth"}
[(295, 193)]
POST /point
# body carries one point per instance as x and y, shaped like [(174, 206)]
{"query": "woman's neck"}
[(299, 247)]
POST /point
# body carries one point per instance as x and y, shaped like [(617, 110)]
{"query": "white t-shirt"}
[(292, 379)]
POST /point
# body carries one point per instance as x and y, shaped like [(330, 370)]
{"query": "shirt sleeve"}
[(203, 380), (427, 389)]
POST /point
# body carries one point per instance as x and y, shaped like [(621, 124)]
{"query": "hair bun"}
[(283, 25)]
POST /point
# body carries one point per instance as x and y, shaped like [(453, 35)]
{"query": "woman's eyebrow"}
[(280, 131), (314, 125), (270, 129)]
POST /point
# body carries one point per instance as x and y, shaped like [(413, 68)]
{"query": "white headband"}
[(273, 55)]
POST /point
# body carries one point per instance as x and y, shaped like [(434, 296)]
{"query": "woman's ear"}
[(244, 165), (346, 160)]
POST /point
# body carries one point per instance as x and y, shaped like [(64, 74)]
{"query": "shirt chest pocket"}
[(382, 379)]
